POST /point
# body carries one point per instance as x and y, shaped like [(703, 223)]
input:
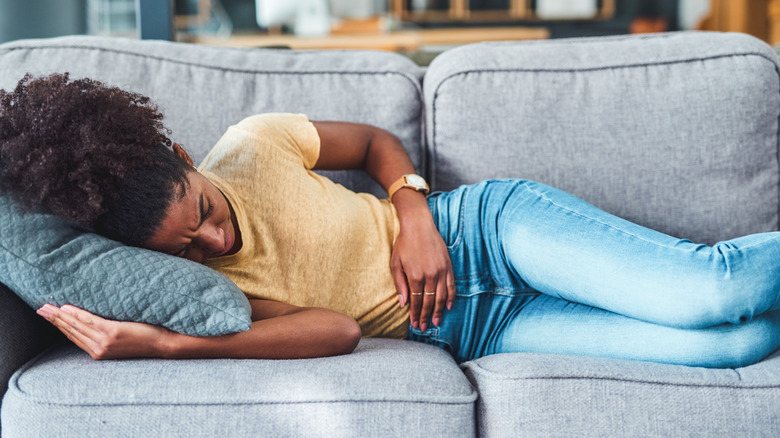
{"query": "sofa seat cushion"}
[(541, 395), (385, 388)]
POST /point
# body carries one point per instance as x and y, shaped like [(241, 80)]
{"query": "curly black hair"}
[(90, 153)]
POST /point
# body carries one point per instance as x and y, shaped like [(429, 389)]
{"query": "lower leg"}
[(550, 325)]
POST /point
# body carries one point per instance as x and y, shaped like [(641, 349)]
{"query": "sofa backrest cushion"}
[(675, 131), (202, 90)]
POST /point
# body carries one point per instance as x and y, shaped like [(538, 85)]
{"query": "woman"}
[(499, 266)]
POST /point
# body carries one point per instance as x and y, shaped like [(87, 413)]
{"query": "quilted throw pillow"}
[(45, 259)]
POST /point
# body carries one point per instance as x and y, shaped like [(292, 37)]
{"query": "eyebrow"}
[(200, 222)]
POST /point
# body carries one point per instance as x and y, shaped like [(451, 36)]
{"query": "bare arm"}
[(420, 261), (279, 331)]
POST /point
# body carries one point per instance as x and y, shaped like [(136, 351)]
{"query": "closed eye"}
[(203, 216), (207, 214)]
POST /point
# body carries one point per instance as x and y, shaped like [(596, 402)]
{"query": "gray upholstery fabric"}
[(23, 335), (536, 395), (382, 389), (203, 90), (677, 131)]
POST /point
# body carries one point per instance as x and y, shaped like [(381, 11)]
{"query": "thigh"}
[(567, 248), (551, 325)]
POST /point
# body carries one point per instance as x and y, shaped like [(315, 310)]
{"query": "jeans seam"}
[(589, 218), (461, 215)]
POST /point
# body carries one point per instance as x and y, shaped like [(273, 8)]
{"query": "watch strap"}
[(402, 183)]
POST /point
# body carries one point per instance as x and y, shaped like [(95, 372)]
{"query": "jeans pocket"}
[(430, 337), (448, 210)]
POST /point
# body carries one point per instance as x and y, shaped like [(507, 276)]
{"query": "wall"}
[(41, 18)]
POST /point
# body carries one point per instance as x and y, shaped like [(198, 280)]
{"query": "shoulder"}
[(283, 133), (265, 140), (275, 123)]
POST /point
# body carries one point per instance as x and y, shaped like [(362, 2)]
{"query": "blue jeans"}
[(539, 270)]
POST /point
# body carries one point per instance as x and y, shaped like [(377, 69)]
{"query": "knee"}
[(732, 346), (718, 300)]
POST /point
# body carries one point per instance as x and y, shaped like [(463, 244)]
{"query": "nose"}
[(211, 239)]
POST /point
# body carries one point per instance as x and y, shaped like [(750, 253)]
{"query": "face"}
[(198, 226)]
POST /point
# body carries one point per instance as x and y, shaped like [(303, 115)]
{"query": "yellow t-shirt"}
[(307, 241)]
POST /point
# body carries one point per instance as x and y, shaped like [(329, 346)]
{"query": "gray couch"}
[(677, 131)]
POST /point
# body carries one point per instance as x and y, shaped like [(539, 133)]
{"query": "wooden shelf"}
[(760, 18), (394, 41), (461, 11)]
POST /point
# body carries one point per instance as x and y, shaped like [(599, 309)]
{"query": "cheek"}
[(195, 256)]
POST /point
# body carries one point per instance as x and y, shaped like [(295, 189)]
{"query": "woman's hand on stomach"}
[(420, 264)]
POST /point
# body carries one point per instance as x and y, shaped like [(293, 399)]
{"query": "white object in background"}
[(566, 9), (308, 18), (312, 19), (271, 13), (357, 8), (692, 12)]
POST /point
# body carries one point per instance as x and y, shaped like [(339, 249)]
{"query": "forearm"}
[(279, 331), (310, 332), (386, 161)]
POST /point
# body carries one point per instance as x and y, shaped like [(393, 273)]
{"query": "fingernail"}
[(423, 326), (436, 321), (449, 305), (44, 312)]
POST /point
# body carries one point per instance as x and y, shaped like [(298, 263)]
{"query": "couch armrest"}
[(23, 334)]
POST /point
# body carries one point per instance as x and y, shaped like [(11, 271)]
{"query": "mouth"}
[(228, 244)]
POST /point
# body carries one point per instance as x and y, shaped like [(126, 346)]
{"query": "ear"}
[(182, 154)]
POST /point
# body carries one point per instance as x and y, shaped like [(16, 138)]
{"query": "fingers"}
[(440, 302), (428, 299), (399, 278), (428, 303), (77, 324), (416, 297), (451, 290)]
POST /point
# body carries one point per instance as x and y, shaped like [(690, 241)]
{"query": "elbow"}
[(338, 334), (349, 336)]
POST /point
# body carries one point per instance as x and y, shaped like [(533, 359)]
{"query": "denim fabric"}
[(539, 270)]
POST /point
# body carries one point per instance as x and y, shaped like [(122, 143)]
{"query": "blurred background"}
[(410, 26)]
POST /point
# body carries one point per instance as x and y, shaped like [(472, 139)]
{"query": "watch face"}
[(416, 181)]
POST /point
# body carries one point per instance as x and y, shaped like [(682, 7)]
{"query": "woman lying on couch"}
[(499, 266)]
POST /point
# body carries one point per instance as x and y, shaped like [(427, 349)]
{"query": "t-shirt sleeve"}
[(292, 133)]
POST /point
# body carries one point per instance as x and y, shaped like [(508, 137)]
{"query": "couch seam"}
[(220, 68), (629, 380), (433, 146), (467, 401)]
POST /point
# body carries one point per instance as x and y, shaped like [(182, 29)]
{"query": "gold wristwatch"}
[(410, 181)]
